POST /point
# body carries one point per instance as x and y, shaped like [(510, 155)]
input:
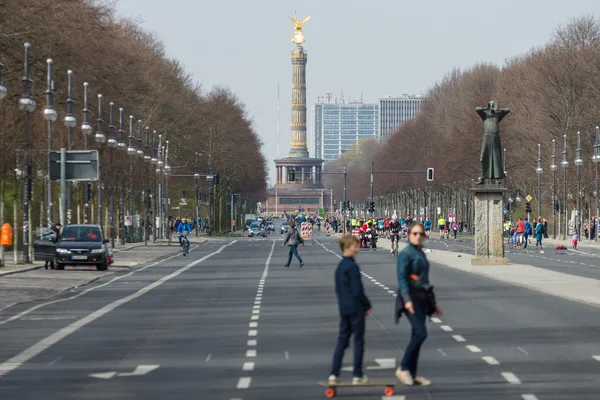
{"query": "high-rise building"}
[(396, 111), (337, 127)]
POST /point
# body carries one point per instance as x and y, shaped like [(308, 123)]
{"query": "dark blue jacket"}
[(349, 288)]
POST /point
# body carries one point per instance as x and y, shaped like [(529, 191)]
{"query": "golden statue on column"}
[(298, 36)]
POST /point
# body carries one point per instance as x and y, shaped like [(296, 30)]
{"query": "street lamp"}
[(70, 122), (100, 138), (578, 162), (553, 168), (112, 144), (27, 105), (50, 115), (539, 170), (596, 159), (131, 151), (565, 163), (3, 89), (86, 130)]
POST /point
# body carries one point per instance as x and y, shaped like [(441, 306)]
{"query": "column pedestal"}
[(489, 218)]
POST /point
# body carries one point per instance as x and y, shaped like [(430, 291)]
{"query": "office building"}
[(337, 127), (396, 111)]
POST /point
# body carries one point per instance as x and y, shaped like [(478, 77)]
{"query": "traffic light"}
[(528, 207), (215, 179), (430, 174), (372, 207)]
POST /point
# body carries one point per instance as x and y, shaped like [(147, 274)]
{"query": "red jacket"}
[(520, 227)]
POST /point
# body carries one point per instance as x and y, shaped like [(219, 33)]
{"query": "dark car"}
[(82, 245), (44, 245)]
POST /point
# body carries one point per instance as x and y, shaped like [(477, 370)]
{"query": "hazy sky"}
[(369, 47)]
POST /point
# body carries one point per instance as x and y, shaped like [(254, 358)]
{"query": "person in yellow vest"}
[(441, 226), (507, 227), (354, 223)]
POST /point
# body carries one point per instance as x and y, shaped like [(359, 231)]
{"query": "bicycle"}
[(395, 240), (516, 241), (184, 241)]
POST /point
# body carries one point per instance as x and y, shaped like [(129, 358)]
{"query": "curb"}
[(18, 271)]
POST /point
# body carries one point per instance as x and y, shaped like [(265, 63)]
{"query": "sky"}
[(368, 48)]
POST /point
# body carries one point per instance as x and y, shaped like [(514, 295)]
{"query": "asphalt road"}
[(230, 322)]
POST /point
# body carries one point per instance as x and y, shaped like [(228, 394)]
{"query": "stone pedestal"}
[(489, 218)]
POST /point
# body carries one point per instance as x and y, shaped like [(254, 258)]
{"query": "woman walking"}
[(293, 239), (414, 288), (539, 234)]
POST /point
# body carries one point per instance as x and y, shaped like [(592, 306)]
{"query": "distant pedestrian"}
[(539, 233), (454, 229), (528, 232), (575, 240), (416, 295), (545, 223), (353, 306), (293, 239), (56, 229)]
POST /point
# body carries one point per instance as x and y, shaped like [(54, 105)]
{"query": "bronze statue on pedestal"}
[(491, 150)]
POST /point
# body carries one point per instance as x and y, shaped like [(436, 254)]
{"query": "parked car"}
[(44, 244), (270, 226), (285, 227), (82, 245), (256, 229)]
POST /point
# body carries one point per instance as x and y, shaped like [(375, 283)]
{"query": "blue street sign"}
[(505, 211)]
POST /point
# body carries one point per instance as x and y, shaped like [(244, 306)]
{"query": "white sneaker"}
[(332, 379), (359, 380), (405, 377), (420, 381)]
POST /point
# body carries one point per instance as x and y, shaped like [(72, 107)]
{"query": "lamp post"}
[(50, 115), (159, 177), (123, 147), (166, 171), (578, 162), (131, 151), (26, 104), (539, 170), (596, 159), (153, 162), (70, 121), (146, 203), (86, 130), (565, 163), (553, 168), (112, 144), (196, 178), (100, 138), (140, 153)]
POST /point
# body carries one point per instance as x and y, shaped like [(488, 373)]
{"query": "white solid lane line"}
[(446, 328), (244, 383), (459, 338), (511, 378), (491, 360), (473, 349), (248, 366), (21, 358)]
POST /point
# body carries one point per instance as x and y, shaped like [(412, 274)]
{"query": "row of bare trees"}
[(552, 91), (130, 67)]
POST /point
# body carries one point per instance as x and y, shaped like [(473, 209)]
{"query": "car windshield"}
[(255, 225), (81, 234)]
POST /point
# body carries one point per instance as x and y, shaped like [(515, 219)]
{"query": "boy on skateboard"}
[(353, 306)]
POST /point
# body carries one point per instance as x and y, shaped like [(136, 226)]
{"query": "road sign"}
[(528, 198), (80, 165)]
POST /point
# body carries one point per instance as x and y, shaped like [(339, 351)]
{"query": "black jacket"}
[(349, 288)]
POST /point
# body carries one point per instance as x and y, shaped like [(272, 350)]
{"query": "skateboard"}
[(331, 390)]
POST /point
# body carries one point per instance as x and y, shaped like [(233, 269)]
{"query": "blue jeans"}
[(293, 251), (418, 336), (350, 325), (181, 238)]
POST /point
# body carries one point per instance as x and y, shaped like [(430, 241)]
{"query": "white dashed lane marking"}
[(529, 397), (511, 378), (248, 366), (491, 360), (473, 349), (446, 328), (244, 383), (459, 338)]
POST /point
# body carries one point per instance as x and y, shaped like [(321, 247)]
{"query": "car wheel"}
[(103, 266), (59, 266)]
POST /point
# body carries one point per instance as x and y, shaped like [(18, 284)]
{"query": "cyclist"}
[(184, 228), (519, 231), (394, 232), (441, 226)]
